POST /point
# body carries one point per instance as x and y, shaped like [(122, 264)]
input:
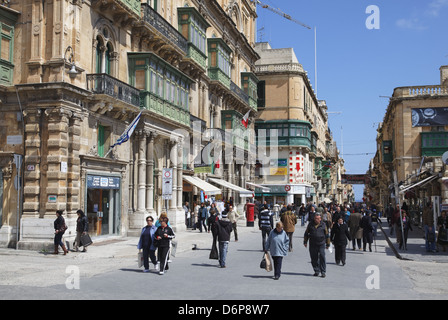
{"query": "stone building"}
[(305, 157), (411, 141), (76, 73)]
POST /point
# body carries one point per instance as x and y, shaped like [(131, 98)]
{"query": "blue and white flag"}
[(128, 132)]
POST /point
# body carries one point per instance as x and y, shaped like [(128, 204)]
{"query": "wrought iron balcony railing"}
[(102, 83)]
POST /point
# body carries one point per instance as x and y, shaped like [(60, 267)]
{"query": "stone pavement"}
[(34, 268), (107, 254), (416, 250)]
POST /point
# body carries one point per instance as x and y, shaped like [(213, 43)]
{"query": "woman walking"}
[(163, 236), (278, 245), (82, 227), (59, 230), (339, 236), (146, 243)]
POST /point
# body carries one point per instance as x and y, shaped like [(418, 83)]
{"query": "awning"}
[(263, 188), (243, 192), (425, 181), (208, 188)]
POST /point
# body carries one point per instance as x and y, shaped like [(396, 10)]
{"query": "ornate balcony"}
[(104, 84)]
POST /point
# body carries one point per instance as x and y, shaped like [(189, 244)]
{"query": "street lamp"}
[(71, 59)]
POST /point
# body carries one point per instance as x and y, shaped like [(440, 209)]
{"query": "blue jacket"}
[(152, 232), (278, 243)]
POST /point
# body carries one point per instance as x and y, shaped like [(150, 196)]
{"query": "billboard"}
[(355, 179), (425, 117)]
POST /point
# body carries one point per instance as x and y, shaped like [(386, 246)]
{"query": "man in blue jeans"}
[(223, 228), (428, 224)]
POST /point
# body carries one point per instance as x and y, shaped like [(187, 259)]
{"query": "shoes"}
[(161, 272), (323, 275), (276, 278), (145, 270), (316, 274)]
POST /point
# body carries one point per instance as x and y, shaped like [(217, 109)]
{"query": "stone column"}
[(173, 159), (141, 193), (150, 173), (179, 173)]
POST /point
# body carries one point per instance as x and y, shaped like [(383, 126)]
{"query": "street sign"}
[(167, 183)]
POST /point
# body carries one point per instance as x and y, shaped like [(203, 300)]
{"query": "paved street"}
[(109, 271)]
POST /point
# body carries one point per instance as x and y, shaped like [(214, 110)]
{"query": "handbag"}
[(86, 240), (263, 263), (214, 252)]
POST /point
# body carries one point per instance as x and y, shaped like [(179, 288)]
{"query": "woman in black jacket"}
[(59, 229), (339, 236), (82, 227), (163, 236)]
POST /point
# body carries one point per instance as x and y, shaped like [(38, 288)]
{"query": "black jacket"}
[(163, 241), (82, 224), (340, 234), (317, 234), (223, 228)]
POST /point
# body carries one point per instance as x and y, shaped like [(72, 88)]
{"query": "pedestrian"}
[(163, 236), (355, 230), (428, 224), (265, 223), (310, 214), (406, 227), (339, 236), (146, 243), (367, 231), (317, 234), (186, 208), (82, 227), (289, 220), (233, 216), (442, 235), (302, 214), (278, 244), (195, 213), (223, 228), (202, 217), (59, 230)]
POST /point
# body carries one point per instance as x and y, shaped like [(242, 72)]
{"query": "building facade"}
[(293, 126), (411, 141), (77, 73)]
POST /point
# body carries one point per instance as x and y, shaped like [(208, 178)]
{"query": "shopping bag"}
[(86, 240), (140, 259), (267, 256), (173, 248)]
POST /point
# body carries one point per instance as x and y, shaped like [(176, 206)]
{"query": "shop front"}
[(103, 205)]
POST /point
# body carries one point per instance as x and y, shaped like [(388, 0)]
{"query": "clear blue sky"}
[(357, 65)]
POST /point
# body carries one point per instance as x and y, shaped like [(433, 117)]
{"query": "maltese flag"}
[(245, 120)]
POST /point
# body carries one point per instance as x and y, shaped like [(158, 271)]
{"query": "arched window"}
[(105, 55)]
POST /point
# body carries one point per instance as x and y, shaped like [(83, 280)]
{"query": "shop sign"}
[(102, 182)]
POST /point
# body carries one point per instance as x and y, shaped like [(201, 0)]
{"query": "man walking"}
[(289, 220), (317, 233), (266, 224), (223, 228), (233, 217)]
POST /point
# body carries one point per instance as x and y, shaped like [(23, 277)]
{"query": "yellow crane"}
[(281, 13)]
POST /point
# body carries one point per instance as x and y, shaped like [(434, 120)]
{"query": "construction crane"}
[(281, 13)]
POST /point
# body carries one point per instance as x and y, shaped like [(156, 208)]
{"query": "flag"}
[(128, 132), (245, 120)]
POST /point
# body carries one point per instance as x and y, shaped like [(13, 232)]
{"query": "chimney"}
[(444, 75)]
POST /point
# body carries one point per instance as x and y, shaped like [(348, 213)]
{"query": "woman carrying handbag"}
[(278, 245)]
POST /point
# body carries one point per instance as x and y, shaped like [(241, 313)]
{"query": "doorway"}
[(103, 205)]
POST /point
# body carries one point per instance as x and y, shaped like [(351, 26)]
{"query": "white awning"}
[(244, 193), (208, 188), (264, 189), (425, 181)]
